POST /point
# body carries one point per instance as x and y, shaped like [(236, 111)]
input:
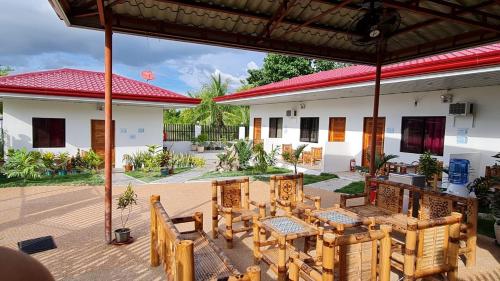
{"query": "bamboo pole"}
[(319, 244), (108, 120), (153, 254), (273, 196), (385, 254), (246, 192), (253, 273), (215, 211), (294, 268), (256, 240), (471, 232), (329, 254), (228, 216), (409, 258), (454, 247), (198, 221), (300, 183), (281, 258), (185, 261)]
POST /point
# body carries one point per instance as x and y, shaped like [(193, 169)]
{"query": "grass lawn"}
[(308, 179), (353, 188), (73, 179), (246, 172), (152, 176)]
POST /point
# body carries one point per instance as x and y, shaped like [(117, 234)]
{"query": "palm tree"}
[(294, 157)]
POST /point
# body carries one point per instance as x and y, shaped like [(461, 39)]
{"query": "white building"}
[(62, 110), (332, 110)]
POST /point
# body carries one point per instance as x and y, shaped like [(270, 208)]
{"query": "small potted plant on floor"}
[(202, 139), (48, 159), (128, 162), (164, 159), (428, 166), (62, 161), (194, 144), (125, 203)]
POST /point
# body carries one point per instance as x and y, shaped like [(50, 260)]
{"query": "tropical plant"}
[(228, 161), (153, 149), (294, 156), (164, 158), (381, 160), (125, 202), (128, 159), (48, 159), (244, 151), (481, 187), (261, 158), (92, 160), (62, 160), (202, 140), (23, 164), (138, 159), (428, 166), (77, 161), (272, 156)]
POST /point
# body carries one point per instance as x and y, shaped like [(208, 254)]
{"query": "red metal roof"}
[(89, 84), (470, 58)]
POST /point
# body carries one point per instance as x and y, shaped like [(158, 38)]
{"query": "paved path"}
[(344, 178), (120, 178)]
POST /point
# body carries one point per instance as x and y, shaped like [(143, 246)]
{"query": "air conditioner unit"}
[(461, 109)]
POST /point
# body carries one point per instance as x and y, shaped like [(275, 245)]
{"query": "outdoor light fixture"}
[(302, 106), (100, 107), (448, 98)]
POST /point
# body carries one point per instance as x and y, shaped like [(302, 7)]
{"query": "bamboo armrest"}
[(257, 204), (224, 209), (197, 218), (312, 197), (284, 203), (345, 197), (183, 219)]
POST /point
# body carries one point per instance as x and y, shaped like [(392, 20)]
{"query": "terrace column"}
[(376, 97), (108, 120)]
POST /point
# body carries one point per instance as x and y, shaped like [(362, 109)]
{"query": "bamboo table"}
[(283, 230), (339, 219)]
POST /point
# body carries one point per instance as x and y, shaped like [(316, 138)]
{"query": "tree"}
[(5, 70), (294, 156), (278, 67)]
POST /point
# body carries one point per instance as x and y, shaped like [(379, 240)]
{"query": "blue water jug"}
[(459, 171)]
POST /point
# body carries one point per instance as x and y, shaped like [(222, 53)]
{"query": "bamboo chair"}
[(234, 207), (361, 256), (307, 158), (430, 248), (435, 206), (190, 255), (492, 171), (287, 193), (317, 154)]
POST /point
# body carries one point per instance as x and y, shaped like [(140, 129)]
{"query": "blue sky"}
[(33, 38)]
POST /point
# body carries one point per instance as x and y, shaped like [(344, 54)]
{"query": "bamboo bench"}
[(432, 205), (190, 255)]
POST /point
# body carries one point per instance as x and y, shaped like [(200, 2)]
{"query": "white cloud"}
[(252, 65)]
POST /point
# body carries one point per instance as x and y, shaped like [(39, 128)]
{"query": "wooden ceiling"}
[(312, 28)]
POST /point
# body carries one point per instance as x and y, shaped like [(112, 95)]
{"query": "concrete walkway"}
[(121, 179), (344, 178)]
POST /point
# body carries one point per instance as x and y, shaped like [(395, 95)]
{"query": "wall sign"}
[(462, 136)]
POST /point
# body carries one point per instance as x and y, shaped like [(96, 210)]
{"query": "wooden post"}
[(253, 273), (282, 258), (108, 126), (385, 254), (228, 217), (246, 193), (328, 256), (215, 211), (198, 221), (454, 246), (319, 244), (300, 186), (153, 254), (376, 98), (273, 196), (294, 268), (256, 240), (471, 232), (410, 251), (185, 261)]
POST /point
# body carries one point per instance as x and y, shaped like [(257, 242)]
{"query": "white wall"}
[(18, 116), (483, 135)]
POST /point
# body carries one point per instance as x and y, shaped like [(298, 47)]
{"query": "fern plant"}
[(260, 158), (294, 156), (24, 164)]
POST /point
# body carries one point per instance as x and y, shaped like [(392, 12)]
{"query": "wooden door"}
[(367, 132), (257, 128), (97, 138)]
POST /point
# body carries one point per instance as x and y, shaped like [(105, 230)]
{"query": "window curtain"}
[(434, 135)]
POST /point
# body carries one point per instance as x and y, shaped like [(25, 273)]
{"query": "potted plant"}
[(77, 162), (202, 139), (428, 166), (62, 161), (380, 161), (48, 159), (127, 158), (173, 161), (125, 203), (164, 159), (194, 144), (294, 156)]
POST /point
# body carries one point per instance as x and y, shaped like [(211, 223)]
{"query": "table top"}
[(338, 216), (287, 225)]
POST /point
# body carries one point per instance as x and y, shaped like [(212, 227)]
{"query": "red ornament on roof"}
[(148, 75)]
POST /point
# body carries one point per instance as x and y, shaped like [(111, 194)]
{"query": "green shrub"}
[(294, 157), (260, 158), (48, 159), (62, 160), (428, 166), (125, 202), (23, 164), (92, 160), (244, 151)]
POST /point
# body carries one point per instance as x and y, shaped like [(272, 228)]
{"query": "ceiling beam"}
[(433, 21), (474, 11), (249, 14), (437, 14), (100, 9), (166, 30), (320, 15), (277, 18)]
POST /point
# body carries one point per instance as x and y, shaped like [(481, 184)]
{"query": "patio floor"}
[(74, 216)]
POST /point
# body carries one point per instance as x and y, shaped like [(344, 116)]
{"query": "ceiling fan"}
[(376, 23)]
